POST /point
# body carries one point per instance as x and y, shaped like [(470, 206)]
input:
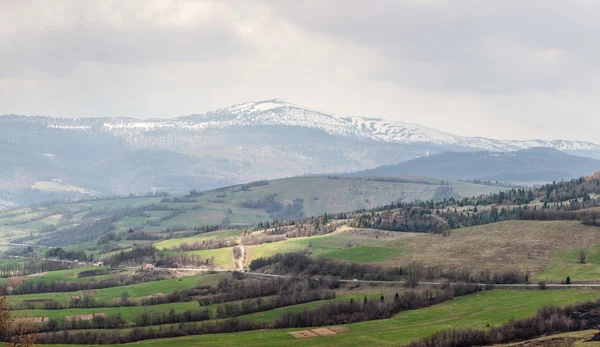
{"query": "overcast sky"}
[(504, 69)]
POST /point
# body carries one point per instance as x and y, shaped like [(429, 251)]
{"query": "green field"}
[(199, 238), (473, 311), (222, 257), (128, 313), (270, 316), (11, 261), (566, 263), (134, 290), (70, 275), (545, 250), (330, 246)]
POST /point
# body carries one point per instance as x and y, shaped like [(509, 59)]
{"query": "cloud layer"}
[(505, 69)]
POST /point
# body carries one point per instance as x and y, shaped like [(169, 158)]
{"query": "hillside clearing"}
[(522, 245)]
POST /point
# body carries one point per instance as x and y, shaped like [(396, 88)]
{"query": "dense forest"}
[(275, 208), (557, 201)]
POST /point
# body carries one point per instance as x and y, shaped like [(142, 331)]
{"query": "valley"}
[(212, 267)]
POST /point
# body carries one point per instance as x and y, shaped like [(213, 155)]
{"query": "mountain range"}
[(528, 165), (245, 142)]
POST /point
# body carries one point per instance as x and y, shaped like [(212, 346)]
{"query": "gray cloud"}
[(124, 38), (499, 46)]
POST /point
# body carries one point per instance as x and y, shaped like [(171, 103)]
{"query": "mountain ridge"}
[(279, 112), (533, 164)]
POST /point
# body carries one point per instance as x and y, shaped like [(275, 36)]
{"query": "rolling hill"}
[(168, 277), (234, 206), (529, 165)]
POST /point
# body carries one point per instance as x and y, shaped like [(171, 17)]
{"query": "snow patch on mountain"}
[(69, 127)]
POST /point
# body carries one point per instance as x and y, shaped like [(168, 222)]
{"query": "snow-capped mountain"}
[(277, 112), (240, 143)]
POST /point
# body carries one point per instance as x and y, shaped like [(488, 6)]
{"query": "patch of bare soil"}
[(39, 274), (89, 292), (302, 334), (324, 332), (85, 316)]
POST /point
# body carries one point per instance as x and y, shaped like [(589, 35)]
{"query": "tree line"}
[(586, 217), (231, 325), (370, 309), (37, 287), (147, 253), (327, 314), (62, 254), (205, 244), (548, 320), (301, 264), (234, 289), (257, 239), (30, 267), (439, 216)]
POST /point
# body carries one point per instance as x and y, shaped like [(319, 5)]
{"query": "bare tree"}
[(583, 257), (22, 333)]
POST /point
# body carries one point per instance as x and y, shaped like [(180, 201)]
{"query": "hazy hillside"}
[(247, 204), (246, 142), (534, 165)]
